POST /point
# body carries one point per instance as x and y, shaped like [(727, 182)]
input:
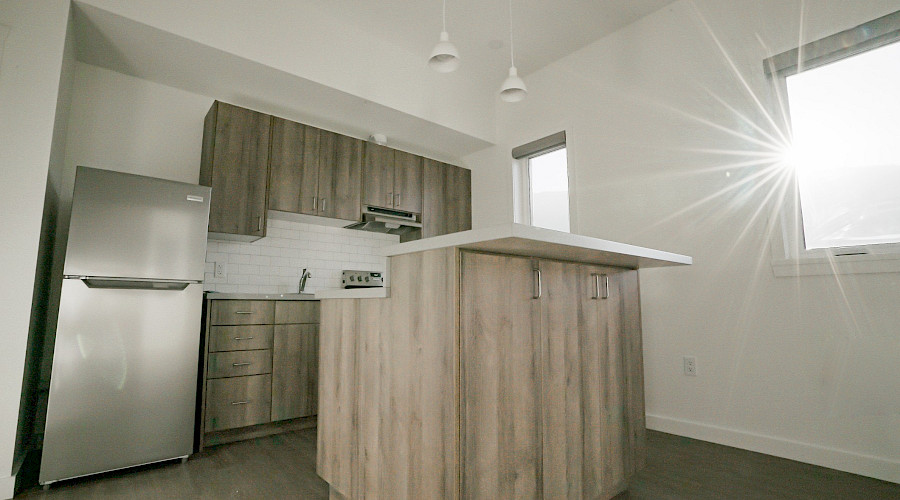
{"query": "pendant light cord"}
[(512, 54), (444, 16)]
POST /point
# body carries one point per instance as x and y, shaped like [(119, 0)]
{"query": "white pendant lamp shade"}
[(513, 88), (444, 57)]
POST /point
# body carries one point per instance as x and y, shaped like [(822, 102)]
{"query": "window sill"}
[(827, 266)]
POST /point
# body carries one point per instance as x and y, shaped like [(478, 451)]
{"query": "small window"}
[(843, 102), (547, 173)]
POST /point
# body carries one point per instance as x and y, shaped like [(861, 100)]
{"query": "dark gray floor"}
[(284, 467)]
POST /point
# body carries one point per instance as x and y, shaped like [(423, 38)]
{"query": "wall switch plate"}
[(220, 270), (690, 366)]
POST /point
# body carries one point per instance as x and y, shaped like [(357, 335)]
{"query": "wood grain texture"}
[(408, 176), (447, 199), (242, 312), (240, 338), (633, 368), (342, 166), (239, 363), (500, 377), (293, 171), (295, 371), (378, 176), (236, 169), (238, 401), (296, 311)]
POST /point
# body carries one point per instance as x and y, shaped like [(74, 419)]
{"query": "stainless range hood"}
[(385, 220)]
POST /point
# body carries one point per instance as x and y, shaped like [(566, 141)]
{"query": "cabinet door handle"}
[(397, 196), (323, 204), (243, 312), (601, 282), (390, 198), (259, 223), (538, 286), (315, 204), (243, 338), (241, 364), (595, 293), (240, 402)]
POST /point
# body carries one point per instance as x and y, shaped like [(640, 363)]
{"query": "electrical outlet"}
[(220, 270), (690, 366)]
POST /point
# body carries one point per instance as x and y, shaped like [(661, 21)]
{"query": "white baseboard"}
[(864, 465), (7, 487)]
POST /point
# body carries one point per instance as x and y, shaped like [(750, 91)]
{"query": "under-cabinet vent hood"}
[(385, 220)]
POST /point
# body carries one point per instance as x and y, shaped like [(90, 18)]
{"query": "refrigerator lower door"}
[(124, 380)]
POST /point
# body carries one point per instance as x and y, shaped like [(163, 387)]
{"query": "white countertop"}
[(530, 241), (354, 293)]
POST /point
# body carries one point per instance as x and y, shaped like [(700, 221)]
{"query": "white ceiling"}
[(543, 30)]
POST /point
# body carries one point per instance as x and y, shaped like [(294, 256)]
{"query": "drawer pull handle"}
[(241, 364), (243, 338), (243, 312), (240, 403)]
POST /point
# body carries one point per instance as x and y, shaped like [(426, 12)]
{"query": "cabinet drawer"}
[(238, 363), (237, 402), (240, 338), (296, 311), (241, 312)]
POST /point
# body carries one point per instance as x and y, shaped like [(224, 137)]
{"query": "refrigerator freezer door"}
[(124, 382), (131, 226)]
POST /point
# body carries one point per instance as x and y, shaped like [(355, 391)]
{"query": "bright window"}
[(548, 175), (845, 118)]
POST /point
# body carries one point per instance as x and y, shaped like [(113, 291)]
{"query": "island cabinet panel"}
[(447, 199), (484, 376), (500, 342), (234, 162)]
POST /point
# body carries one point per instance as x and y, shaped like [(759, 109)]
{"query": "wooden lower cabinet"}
[(260, 367), (498, 377), (295, 371)]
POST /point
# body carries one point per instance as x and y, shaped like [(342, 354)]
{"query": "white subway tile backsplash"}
[(273, 264)]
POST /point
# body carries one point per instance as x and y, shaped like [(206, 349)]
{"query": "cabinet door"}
[(236, 169), (340, 174), (500, 375), (378, 176), (295, 371), (294, 167), (447, 199), (407, 182)]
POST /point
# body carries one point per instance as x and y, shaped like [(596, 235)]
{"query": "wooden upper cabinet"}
[(407, 182), (234, 162), (447, 199), (378, 176), (294, 169), (340, 175)]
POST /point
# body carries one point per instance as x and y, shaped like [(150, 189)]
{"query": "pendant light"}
[(444, 57), (513, 88)]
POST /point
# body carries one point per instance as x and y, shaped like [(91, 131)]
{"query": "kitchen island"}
[(505, 363)]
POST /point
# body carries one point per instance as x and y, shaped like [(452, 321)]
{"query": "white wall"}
[(310, 40), (659, 116), (29, 92)]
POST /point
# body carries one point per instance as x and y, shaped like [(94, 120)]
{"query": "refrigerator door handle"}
[(128, 284)]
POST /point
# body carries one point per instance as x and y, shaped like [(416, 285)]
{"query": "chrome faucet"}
[(303, 276)]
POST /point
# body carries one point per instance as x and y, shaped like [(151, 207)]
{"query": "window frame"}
[(522, 196), (789, 254)]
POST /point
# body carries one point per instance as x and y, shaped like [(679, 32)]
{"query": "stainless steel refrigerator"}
[(124, 377)]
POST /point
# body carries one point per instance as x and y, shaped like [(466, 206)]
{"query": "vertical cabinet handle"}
[(315, 204), (390, 198), (259, 223), (323, 204), (397, 197), (601, 286), (538, 286)]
